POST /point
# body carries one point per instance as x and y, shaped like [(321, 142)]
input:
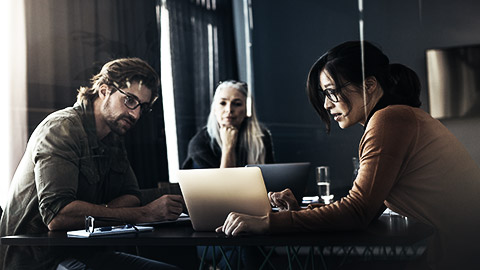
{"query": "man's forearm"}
[(72, 216), (124, 201)]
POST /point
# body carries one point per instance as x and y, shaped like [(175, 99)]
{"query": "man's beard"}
[(114, 123)]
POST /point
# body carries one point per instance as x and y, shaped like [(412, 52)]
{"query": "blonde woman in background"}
[(230, 138)]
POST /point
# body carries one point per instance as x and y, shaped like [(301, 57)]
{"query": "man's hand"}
[(284, 200), (167, 207), (237, 223)]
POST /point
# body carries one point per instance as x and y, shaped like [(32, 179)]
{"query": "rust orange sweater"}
[(411, 163)]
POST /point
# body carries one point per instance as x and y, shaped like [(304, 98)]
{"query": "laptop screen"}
[(280, 176)]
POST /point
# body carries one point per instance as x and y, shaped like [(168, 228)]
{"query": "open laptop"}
[(280, 176), (211, 194)]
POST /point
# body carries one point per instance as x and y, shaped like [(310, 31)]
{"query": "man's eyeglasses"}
[(132, 102), (332, 94)]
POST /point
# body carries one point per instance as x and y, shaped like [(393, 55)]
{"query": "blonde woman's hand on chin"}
[(229, 135), (237, 223), (284, 200)]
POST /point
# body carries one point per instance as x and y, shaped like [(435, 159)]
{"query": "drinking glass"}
[(323, 184)]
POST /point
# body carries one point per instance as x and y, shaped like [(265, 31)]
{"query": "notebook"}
[(280, 176), (211, 194), (109, 230)]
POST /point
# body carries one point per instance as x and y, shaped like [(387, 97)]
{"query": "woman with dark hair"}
[(405, 78), (409, 161)]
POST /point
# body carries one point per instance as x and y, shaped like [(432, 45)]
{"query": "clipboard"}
[(110, 230)]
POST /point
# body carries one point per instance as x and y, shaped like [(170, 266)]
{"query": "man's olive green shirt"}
[(64, 161)]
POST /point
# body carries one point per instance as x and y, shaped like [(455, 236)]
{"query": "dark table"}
[(388, 230)]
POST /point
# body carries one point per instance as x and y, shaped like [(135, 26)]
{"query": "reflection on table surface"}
[(391, 237), (387, 230)]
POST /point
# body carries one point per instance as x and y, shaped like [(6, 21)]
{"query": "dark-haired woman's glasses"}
[(132, 102), (332, 94)]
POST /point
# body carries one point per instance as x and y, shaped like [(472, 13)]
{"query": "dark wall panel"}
[(288, 36)]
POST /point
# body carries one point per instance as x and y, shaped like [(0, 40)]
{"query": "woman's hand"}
[(237, 223), (229, 135), (284, 200)]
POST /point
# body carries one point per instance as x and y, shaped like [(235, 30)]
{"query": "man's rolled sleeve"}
[(56, 158)]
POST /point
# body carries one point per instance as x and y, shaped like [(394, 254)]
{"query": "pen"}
[(110, 228)]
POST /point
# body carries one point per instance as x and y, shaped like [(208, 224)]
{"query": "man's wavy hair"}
[(121, 73)]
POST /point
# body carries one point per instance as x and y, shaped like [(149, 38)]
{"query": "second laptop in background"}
[(280, 176)]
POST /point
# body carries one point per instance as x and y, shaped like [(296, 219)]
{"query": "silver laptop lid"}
[(211, 194)]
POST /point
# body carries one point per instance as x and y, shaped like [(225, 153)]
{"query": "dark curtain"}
[(203, 53), (69, 40)]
